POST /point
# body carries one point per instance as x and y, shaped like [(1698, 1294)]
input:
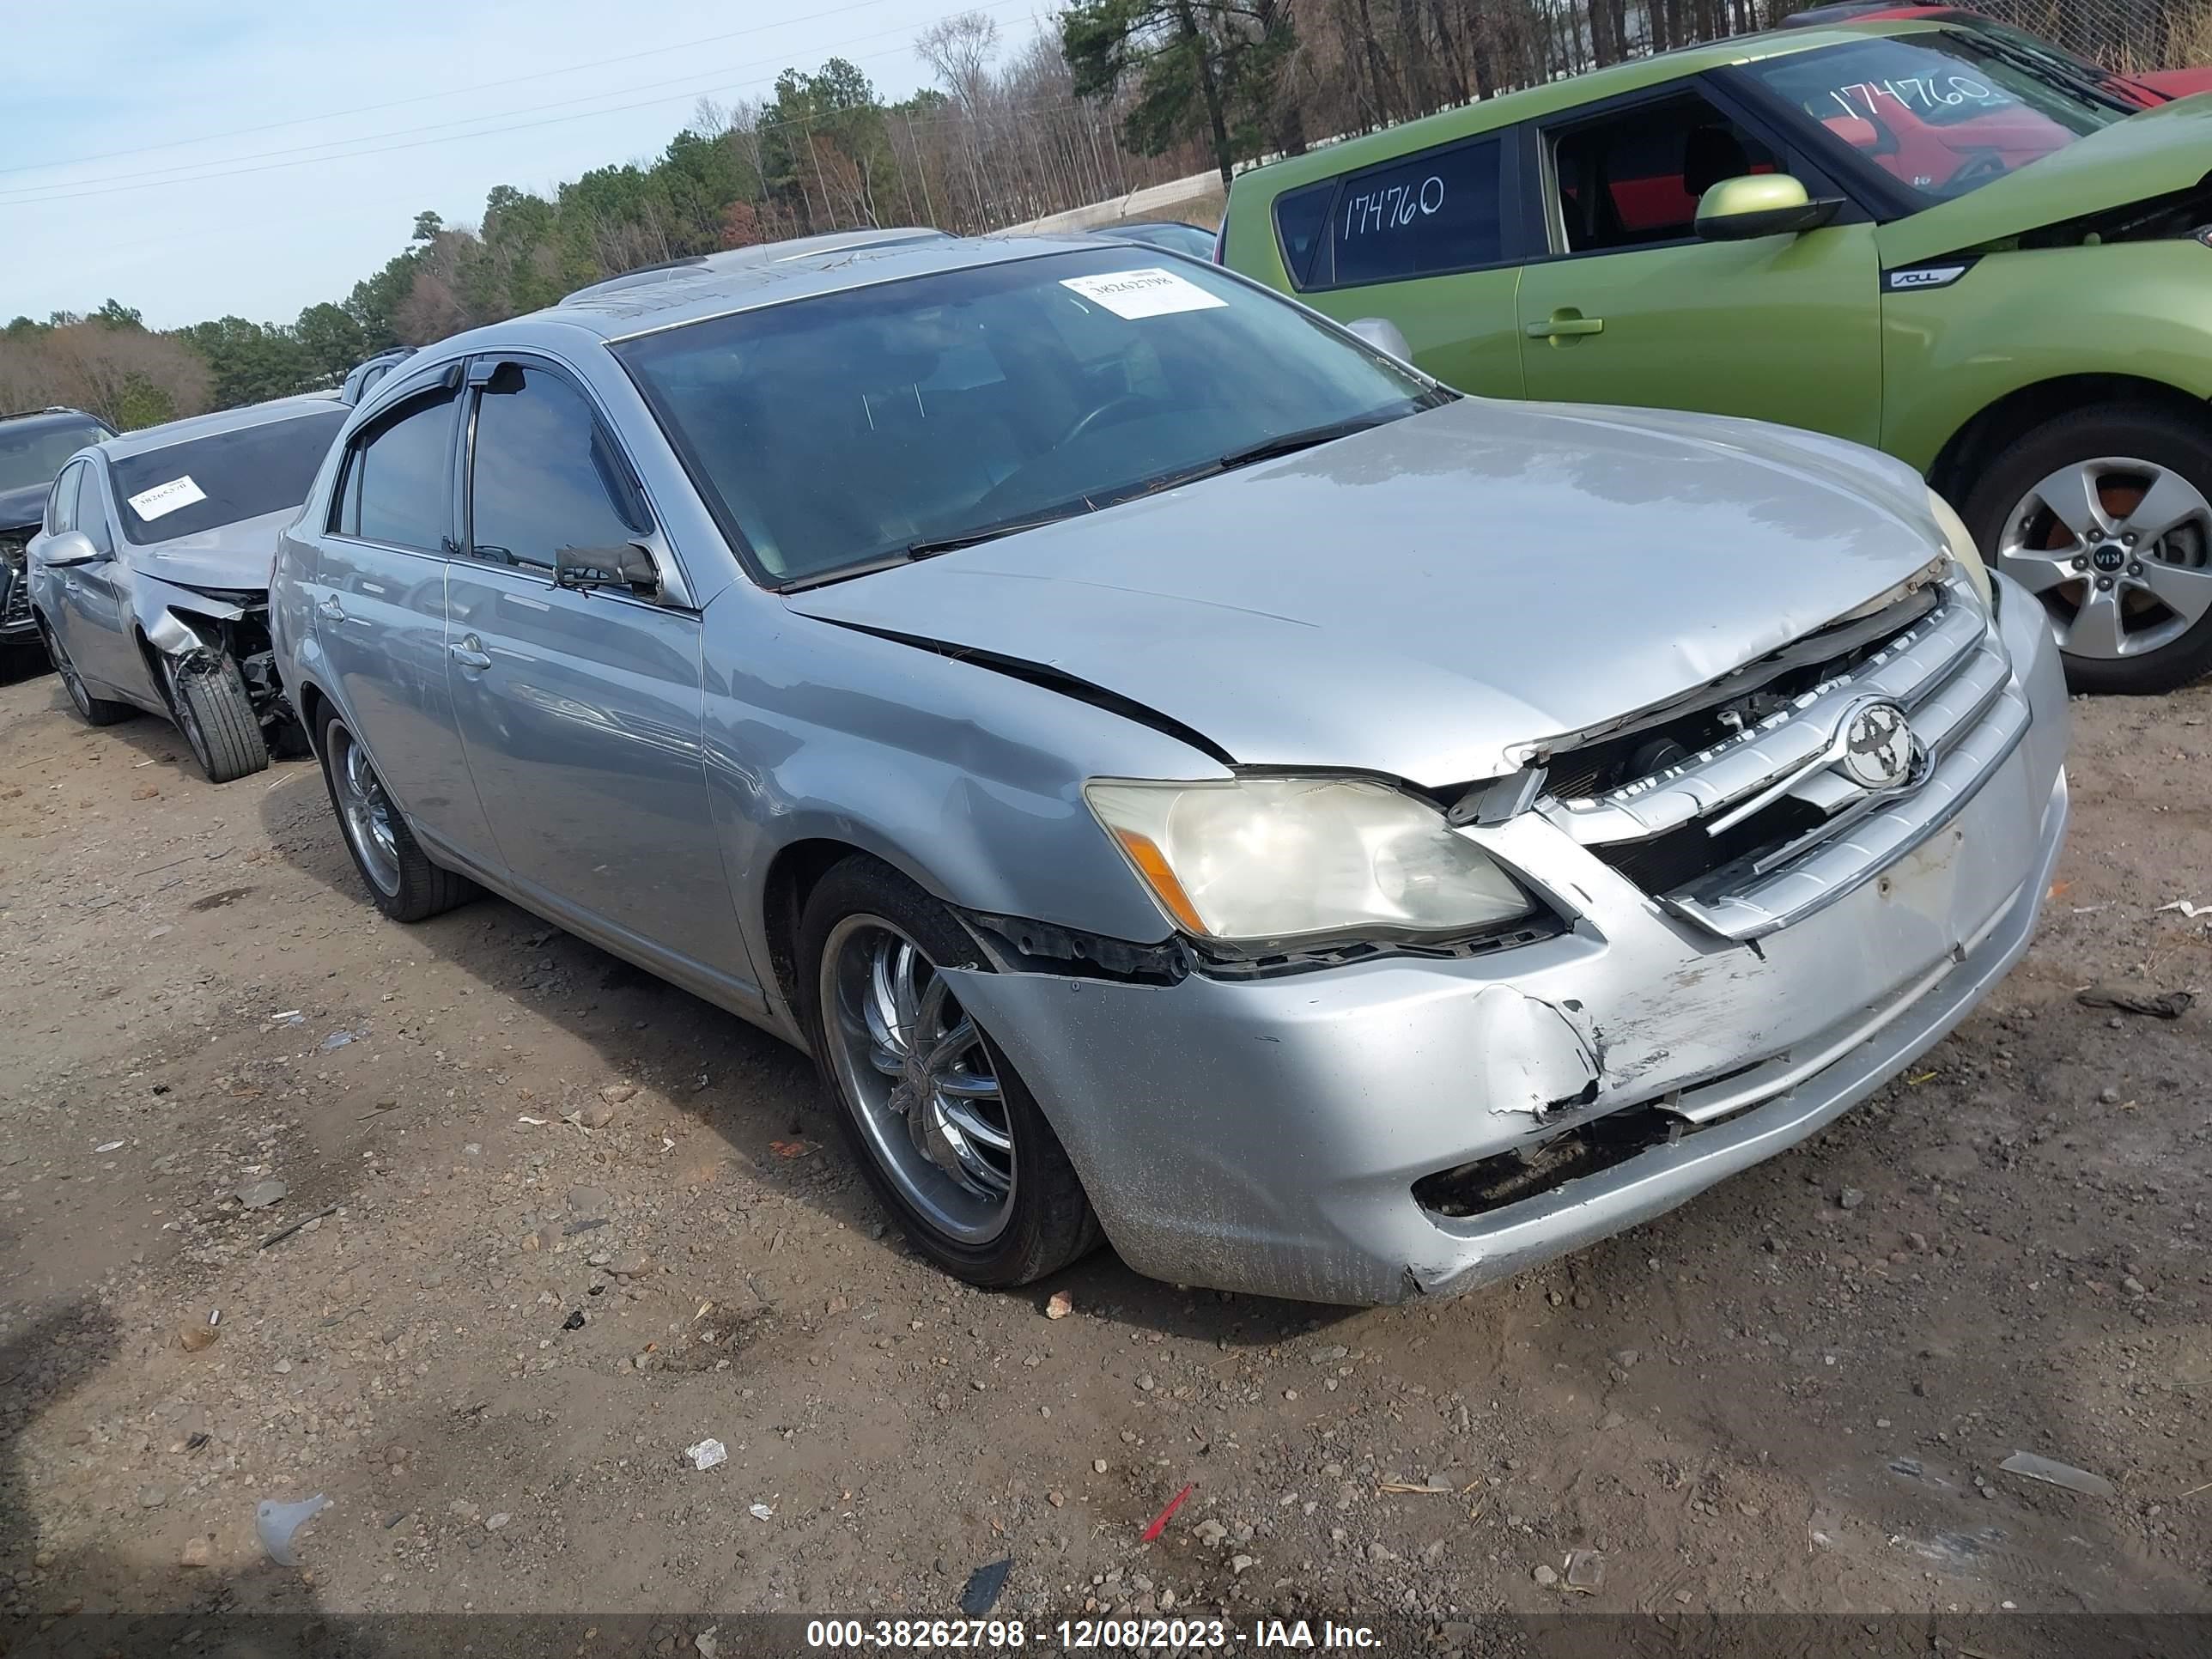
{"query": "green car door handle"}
[(1566, 324)]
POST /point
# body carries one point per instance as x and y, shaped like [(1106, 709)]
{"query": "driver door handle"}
[(471, 653), (1566, 324), (330, 608)]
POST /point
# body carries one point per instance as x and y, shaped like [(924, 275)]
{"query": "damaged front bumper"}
[(189, 624), (1391, 1127)]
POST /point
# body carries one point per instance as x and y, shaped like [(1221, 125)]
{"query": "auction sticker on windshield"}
[(151, 504), (1150, 292)]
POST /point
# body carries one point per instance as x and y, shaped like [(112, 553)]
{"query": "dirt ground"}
[(492, 1349)]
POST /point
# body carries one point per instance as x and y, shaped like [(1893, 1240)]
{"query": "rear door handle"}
[(1566, 325), (471, 653)]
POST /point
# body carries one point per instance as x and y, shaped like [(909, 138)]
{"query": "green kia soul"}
[(1945, 245)]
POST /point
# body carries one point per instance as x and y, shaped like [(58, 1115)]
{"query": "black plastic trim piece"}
[(1215, 963), (1044, 947)]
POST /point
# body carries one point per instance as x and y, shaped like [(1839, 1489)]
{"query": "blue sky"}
[(112, 140)]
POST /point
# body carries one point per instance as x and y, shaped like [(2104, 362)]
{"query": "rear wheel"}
[(944, 1127), (93, 711), (404, 883), (2105, 516), (208, 700)]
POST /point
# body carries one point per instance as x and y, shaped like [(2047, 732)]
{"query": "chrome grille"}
[(14, 583), (1754, 831)]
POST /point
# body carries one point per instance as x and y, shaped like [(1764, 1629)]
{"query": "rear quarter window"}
[(1301, 222), (1432, 212), (1420, 215)]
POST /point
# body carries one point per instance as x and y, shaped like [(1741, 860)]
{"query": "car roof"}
[(693, 294), (1555, 97), (149, 438), (52, 415), (760, 253), (1842, 11)]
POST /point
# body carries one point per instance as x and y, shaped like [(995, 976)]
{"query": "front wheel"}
[(2105, 516), (216, 715), (944, 1126)]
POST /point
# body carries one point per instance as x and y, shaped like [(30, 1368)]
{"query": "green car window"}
[(1942, 113), (1634, 178)]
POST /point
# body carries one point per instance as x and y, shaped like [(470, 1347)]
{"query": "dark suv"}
[(32, 446)]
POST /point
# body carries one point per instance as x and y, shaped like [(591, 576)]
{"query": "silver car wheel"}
[(71, 682), (365, 809), (2118, 550), (916, 1074)]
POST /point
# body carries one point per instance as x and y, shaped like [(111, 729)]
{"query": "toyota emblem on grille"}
[(1877, 745)]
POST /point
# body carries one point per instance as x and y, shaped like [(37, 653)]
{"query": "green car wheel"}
[(2105, 516)]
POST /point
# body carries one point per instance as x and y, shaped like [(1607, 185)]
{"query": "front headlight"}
[(1262, 859), (1958, 543)]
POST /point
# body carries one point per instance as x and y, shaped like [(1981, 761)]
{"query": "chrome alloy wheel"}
[(366, 810), (2118, 550), (71, 682), (916, 1073)]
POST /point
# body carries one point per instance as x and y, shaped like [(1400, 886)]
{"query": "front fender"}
[(2017, 320), (178, 621), (967, 781)]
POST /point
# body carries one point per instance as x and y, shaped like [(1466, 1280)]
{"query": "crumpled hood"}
[(2150, 154), (238, 557), (1417, 599), (19, 509)]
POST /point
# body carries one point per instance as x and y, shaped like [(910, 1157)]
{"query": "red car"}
[(2158, 87)]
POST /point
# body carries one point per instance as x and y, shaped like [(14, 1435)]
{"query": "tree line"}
[(1112, 96)]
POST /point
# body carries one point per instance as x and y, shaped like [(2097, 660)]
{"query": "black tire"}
[(207, 699), (416, 888), (2137, 431), (93, 711), (1050, 1222)]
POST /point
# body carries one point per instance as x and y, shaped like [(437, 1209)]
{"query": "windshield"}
[(206, 483), (873, 425), (1941, 112), (30, 456)]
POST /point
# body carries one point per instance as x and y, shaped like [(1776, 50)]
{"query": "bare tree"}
[(960, 49)]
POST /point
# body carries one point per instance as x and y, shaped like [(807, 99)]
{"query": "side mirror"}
[(1383, 336), (66, 549), (1761, 204), (624, 565)]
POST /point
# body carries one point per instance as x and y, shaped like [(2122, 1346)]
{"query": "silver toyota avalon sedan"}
[(1185, 776)]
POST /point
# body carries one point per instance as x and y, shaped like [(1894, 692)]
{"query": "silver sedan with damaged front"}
[(1186, 777), (150, 574)]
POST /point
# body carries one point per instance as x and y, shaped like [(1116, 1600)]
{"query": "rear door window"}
[(398, 482), (1437, 211), (543, 474)]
